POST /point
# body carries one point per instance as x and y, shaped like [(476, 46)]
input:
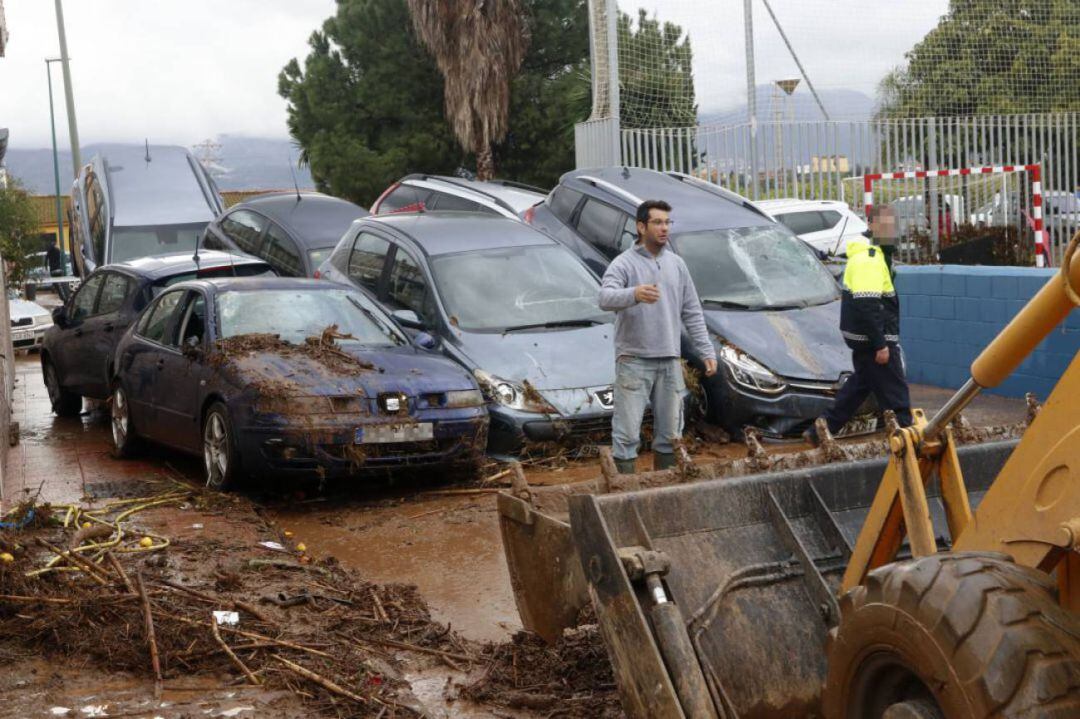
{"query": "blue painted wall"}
[(949, 313)]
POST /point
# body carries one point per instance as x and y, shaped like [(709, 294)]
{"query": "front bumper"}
[(26, 337), (329, 447), (511, 429), (785, 414)]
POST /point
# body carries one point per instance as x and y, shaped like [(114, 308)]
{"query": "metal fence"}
[(828, 159)]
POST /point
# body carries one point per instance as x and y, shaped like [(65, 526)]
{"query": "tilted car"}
[(77, 350), (414, 193), (514, 307), (293, 232), (771, 307), (284, 376)]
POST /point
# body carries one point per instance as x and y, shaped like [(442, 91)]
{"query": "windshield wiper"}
[(729, 304), (557, 323)]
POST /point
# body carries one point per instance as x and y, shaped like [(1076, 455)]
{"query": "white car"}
[(29, 321), (825, 225)]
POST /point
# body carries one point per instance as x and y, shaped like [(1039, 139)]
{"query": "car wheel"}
[(64, 402), (124, 438), (220, 458)]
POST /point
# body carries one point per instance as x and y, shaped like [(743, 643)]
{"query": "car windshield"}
[(755, 268), (517, 287), (245, 269), (319, 256), (297, 314), (131, 243)]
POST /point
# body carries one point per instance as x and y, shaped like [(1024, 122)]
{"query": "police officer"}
[(870, 324)]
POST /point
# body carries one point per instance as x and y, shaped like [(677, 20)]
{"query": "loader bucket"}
[(751, 567)]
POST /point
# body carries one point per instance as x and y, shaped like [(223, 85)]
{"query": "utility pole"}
[(73, 128), (55, 157), (751, 93)]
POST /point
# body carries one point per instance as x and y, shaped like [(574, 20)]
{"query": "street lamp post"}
[(56, 156), (73, 128)]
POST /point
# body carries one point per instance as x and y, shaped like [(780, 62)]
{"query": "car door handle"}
[(161, 363), (108, 327), (79, 332)]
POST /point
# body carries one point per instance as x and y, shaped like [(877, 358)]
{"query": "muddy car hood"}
[(798, 344), (562, 358), (394, 370)]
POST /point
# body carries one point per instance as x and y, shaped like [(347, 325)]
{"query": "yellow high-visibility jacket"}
[(869, 309)]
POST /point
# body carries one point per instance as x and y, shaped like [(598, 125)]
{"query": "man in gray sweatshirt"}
[(653, 297)]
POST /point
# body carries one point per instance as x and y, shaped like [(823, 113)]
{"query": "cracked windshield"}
[(292, 316)]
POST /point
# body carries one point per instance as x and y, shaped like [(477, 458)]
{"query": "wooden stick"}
[(497, 476), (285, 565), (253, 611), (454, 492), (119, 570), (148, 616), (250, 635), (225, 647), (91, 570), (412, 647), (379, 611), (324, 682), (43, 600)]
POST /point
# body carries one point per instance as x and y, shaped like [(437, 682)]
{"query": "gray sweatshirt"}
[(652, 330)]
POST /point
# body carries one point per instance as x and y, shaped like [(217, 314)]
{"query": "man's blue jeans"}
[(637, 381)]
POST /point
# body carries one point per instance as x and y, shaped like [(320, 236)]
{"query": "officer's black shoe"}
[(810, 436)]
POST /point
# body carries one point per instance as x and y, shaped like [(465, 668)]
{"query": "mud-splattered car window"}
[(755, 267), (296, 315), (518, 286)]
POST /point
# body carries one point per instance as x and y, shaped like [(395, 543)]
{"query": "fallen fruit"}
[(146, 542), (6, 558), (86, 525), (288, 534), (301, 547)]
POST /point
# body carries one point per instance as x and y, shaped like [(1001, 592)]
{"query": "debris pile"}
[(323, 350)]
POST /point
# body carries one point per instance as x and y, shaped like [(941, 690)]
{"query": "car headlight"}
[(40, 320), (523, 397), (748, 372), (464, 398)]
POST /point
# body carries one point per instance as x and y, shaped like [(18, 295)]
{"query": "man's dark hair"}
[(644, 207)]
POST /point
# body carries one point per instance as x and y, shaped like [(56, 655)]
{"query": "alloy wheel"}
[(120, 420), (215, 449)]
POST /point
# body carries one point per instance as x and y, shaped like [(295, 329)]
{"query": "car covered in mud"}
[(511, 305), (771, 307), (288, 377)]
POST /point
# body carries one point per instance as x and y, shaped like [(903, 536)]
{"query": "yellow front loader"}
[(939, 583)]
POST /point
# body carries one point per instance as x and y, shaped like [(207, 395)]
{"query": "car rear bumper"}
[(332, 451), (25, 338)]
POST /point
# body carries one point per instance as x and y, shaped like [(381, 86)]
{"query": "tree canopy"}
[(656, 82), (18, 231), (991, 57)]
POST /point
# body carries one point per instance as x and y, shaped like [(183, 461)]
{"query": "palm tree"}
[(478, 46)]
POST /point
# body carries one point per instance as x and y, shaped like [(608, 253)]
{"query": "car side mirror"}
[(425, 341), (60, 316), (192, 347), (408, 318)]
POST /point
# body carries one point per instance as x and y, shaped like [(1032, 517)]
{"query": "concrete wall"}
[(949, 313)]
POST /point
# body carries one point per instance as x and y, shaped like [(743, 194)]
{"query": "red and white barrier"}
[(1042, 247)]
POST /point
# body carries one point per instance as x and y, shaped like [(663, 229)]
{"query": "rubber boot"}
[(625, 466), (663, 460)]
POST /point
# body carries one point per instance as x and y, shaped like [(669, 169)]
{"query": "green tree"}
[(656, 82), (18, 231), (991, 57), (367, 106)]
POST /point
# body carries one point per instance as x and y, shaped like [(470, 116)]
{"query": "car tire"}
[(64, 402), (221, 460), (125, 440)]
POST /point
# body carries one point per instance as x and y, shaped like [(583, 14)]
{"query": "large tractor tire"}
[(954, 636)]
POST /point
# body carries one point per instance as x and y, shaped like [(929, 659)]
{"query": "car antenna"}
[(146, 140), (295, 184)]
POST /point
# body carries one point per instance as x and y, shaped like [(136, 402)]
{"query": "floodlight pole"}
[(73, 128), (55, 156), (751, 94)]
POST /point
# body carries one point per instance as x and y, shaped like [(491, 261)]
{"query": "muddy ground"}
[(396, 594)]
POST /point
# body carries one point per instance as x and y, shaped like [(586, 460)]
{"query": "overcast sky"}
[(181, 72)]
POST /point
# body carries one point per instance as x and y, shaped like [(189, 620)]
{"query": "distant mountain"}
[(237, 163), (841, 104)]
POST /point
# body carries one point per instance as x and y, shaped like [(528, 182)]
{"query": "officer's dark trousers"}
[(885, 381)]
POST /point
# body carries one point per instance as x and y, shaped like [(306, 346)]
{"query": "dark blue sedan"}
[(289, 376)]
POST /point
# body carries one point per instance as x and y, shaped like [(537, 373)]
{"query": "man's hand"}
[(710, 367), (882, 356), (646, 293)]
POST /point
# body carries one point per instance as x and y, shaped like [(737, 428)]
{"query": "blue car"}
[(289, 377)]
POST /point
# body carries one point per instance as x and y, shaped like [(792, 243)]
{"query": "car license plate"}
[(21, 335), (392, 433)]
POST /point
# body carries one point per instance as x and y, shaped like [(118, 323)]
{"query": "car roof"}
[(163, 191), (696, 204), (316, 220), (173, 263), (252, 284), (516, 196), (441, 233), (794, 203)]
